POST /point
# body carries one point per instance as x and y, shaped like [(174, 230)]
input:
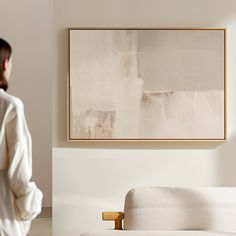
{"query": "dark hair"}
[(5, 54)]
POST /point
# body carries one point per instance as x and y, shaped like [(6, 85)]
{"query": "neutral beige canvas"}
[(146, 84)]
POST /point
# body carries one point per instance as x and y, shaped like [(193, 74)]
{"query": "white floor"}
[(41, 227)]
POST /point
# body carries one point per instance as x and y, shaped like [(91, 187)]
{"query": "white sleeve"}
[(28, 196)]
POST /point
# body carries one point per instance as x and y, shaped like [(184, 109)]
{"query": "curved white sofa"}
[(166, 211)]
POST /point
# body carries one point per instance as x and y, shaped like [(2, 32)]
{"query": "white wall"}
[(27, 25), (92, 177)]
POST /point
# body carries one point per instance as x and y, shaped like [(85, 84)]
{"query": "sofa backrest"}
[(167, 208)]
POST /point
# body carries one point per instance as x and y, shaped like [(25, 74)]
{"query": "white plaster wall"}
[(27, 25), (93, 177)]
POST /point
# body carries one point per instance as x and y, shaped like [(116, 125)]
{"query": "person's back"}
[(20, 199), (7, 102)]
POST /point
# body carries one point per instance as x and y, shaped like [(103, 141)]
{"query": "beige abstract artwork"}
[(146, 84)]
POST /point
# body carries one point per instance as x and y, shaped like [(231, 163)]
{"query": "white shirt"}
[(20, 199)]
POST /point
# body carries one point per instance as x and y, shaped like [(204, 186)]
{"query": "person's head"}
[(5, 63)]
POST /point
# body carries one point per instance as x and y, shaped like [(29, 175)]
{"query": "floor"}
[(41, 227)]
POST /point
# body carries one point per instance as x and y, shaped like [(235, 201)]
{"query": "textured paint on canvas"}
[(147, 84)]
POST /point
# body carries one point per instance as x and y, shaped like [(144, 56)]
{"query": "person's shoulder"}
[(11, 100)]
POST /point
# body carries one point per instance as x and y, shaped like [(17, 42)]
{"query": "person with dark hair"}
[(20, 199), (5, 66)]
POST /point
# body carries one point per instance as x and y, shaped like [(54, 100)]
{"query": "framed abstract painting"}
[(147, 84)]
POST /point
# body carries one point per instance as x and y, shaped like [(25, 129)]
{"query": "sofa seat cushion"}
[(157, 233)]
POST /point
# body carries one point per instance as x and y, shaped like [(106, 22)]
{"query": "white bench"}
[(166, 211)]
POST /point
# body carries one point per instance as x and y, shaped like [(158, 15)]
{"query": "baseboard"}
[(45, 213)]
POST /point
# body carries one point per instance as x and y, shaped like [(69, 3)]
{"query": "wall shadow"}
[(160, 145), (226, 158)]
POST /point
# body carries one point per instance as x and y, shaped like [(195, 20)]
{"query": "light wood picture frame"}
[(147, 84)]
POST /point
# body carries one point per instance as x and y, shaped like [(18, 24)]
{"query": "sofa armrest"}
[(116, 216)]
